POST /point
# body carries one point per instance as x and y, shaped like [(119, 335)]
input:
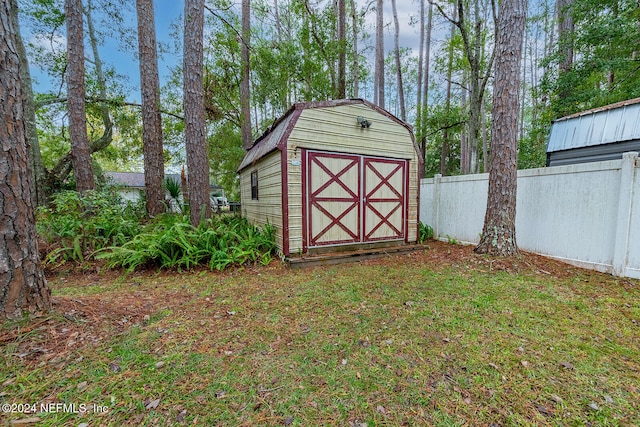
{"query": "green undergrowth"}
[(74, 227), (171, 242), (99, 226), (379, 343)]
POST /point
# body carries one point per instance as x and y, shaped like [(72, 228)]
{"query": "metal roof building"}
[(598, 134)]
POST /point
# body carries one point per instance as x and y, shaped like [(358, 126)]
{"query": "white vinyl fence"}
[(584, 214)]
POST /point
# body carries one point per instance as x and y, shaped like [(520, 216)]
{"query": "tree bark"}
[(341, 89), (245, 94), (151, 118), (354, 29), (427, 62), (499, 232), (39, 180), (419, 129), (80, 154), (23, 287), (378, 87), (195, 141), (565, 34), (403, 113)]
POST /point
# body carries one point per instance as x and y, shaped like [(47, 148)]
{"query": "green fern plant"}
[(425, 232), (170, 242)]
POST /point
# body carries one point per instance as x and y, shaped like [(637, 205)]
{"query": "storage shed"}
[(334, 175), (602, 133)]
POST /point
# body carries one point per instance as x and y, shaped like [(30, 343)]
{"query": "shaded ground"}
[(278, 353), (89, 317)]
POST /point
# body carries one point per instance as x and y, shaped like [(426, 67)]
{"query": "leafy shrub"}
[(425, 232), (173, 188), (170, 242), (75, 226)]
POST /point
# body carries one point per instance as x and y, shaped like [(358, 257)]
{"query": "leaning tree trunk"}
[(151, 118), (194, 119), (499, 232), (80, 153), (22, 283)]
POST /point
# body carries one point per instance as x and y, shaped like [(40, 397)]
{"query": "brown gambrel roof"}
[(276, 136)]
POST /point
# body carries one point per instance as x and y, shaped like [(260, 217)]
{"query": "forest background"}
[(437, 65)]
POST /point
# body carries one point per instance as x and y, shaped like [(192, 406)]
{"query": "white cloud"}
[(48, 43)]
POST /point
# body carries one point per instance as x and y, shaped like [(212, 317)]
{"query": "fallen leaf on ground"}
[(153, 404)]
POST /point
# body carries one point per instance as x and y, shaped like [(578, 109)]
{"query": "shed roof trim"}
[(277, 133)]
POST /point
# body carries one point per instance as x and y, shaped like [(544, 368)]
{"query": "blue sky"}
[(168, 13), (114, 51)]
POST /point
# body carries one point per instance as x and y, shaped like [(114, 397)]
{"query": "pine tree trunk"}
[(379, 68), (354, 29), (418, 127), (23, 287), (499, 232), (40, 190), (80, 153), (341, 90), (427, 60), (194, 119), (245, 94), (425, 78), (403, 113), (565, 34), (151, 118)]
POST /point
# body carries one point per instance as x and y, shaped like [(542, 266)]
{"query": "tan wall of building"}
[(268, 207), (330, 129), (336, 129)]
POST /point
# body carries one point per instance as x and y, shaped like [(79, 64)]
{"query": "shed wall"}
[(595, 153), (335, 129), (268, 207)]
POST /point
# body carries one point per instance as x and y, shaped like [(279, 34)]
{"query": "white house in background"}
[(131, 187), (603, 133)]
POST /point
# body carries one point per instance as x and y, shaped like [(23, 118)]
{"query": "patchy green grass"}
[(441, 338)]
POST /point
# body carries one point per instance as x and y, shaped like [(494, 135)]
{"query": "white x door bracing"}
[(353, 198)]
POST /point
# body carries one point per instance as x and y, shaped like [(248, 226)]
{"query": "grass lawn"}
[(441, 337)]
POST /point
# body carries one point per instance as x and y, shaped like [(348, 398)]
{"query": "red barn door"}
[(353, 199)]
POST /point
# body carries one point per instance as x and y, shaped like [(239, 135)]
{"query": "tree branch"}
[(449, 126), (228, 24), (444, 14), (112, 102)]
